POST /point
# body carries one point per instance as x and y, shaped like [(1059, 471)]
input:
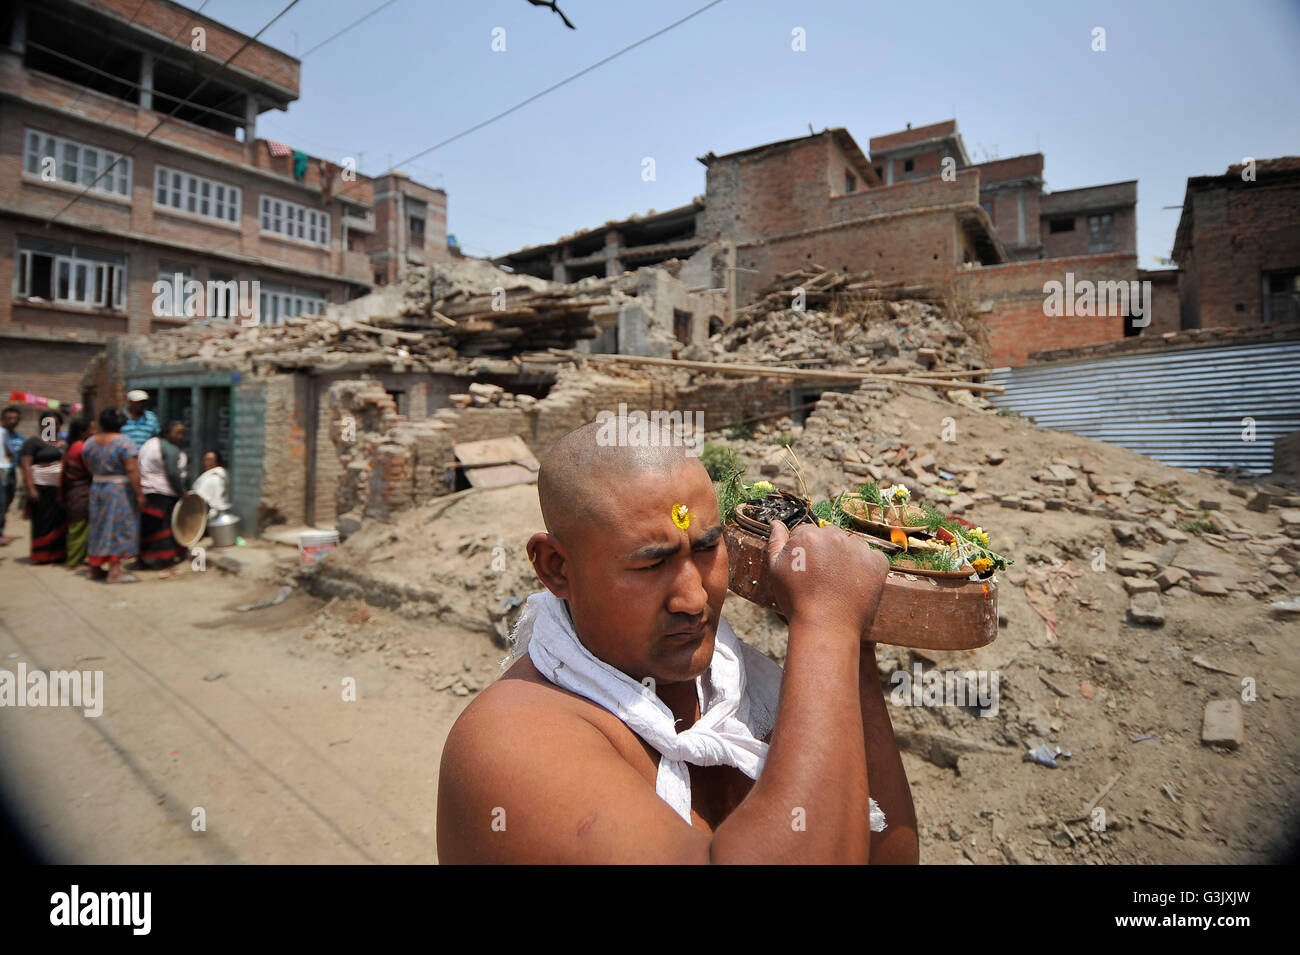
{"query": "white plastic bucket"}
[(314, 546)]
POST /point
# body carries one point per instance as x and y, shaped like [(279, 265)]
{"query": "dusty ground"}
[(241, 713), (978, 800)]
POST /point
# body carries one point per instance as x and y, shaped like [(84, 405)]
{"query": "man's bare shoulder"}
[(523, 707), (533, 773)]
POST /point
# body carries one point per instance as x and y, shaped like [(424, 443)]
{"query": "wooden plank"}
[(778, 371), (497, 449)]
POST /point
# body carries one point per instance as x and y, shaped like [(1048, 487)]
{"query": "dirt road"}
[(239, 715)]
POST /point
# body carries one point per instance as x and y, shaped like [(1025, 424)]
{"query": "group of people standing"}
[(102, 492)]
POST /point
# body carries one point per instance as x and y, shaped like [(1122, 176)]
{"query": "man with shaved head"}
[(633, 725)]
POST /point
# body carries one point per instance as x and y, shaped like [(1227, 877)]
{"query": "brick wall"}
[(1116, 199), (1011, 207), (762, 194), (147, 235), (1164, 313), (1123, 232), (50, 369), (905, 137), (284, 451), (907, 247), (395, 462), (392, 246), (1013, 167), (1240, 231), (786, 207), (1187, 338), (221, 41), (1014, 297)]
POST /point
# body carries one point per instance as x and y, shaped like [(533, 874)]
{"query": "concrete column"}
[(18, 31), (146, 80), (250, 119), (889, 172), (1020, 217), (613, 245), (559, 273)]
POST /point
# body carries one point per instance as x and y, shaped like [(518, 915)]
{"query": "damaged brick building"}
[(918, 212), (1238, 246)]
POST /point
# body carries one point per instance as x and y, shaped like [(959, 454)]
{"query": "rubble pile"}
[(1142, 603), (1139, 599), (484, 395), (846, 319), (481, 310), (441, 313), (315, 342)]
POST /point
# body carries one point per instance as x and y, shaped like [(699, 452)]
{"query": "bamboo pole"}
[(770, 371)]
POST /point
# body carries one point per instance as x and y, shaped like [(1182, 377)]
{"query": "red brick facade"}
[(1238, 241), (786, 205), (338, 258), (1014, 297)]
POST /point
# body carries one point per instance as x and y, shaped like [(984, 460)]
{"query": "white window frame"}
[(94, 277), (292, 221), (175, 190), (77, 164), (279, 302)]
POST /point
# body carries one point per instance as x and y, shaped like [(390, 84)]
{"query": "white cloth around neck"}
[(738, 697)]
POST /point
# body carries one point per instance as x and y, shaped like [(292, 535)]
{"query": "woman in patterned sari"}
[(41, 460), (115, 498), (76, 491)]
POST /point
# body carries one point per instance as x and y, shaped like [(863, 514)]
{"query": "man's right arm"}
[(811, 803)]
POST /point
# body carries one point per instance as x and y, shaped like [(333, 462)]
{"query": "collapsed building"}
[(454, 353), (803, 254), (917, 212)]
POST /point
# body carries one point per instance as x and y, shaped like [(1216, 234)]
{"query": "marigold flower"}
[(681, 517)]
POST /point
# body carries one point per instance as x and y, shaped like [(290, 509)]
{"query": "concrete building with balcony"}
[(129, 156), (609, 250)]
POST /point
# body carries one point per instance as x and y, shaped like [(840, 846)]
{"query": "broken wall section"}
[(390, 462)]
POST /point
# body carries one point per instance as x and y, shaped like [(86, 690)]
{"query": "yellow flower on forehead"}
[(682, 517)]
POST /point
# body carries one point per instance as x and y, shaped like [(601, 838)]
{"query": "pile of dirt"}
[(1139, 595)]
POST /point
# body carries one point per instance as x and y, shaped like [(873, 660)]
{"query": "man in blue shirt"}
[(10, 442), (141, 425)]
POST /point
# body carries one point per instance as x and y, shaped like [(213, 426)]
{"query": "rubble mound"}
[(846, 319)]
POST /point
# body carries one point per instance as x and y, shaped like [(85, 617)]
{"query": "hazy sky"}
[(1182, 89)]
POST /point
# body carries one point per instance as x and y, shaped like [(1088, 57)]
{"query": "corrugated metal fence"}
[(1185, 408)]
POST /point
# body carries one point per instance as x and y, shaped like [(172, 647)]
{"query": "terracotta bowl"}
[(921, 611)]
